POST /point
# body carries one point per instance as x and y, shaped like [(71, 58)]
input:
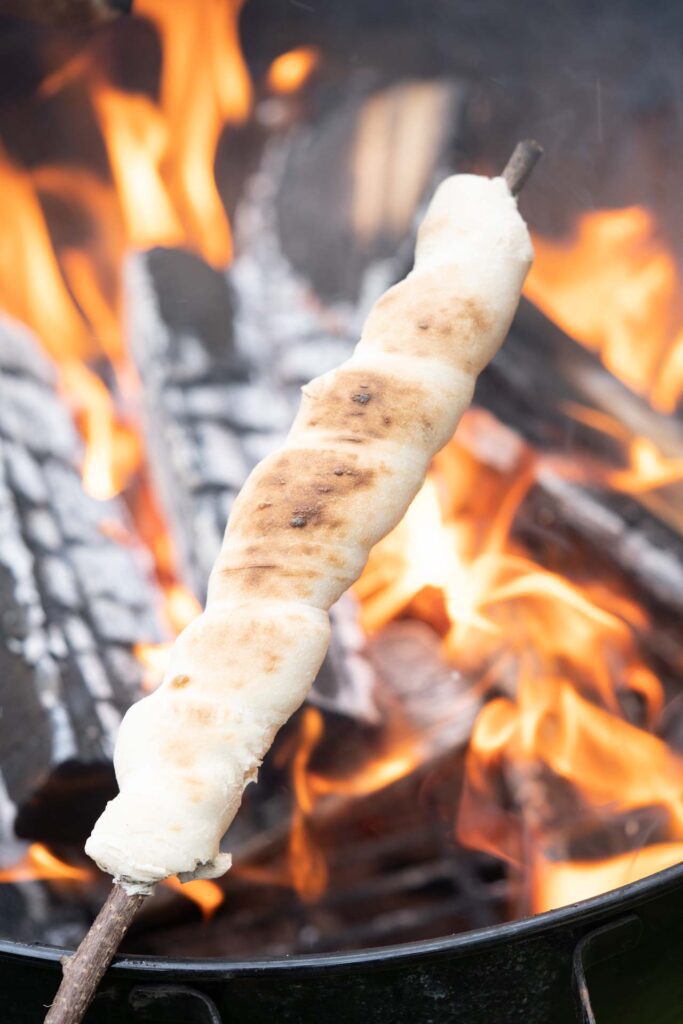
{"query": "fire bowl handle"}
[(594, 947), (155, 1004)]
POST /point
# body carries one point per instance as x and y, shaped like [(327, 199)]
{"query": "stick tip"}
[(525, 156)]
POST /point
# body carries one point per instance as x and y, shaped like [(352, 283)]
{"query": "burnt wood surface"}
[(73, 602)]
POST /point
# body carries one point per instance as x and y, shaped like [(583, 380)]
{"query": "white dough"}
[(299, 536)]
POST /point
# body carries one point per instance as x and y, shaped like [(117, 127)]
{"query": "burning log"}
[(549, 389), (198, 401), (73, 602)]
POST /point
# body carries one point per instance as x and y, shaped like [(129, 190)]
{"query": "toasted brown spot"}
[(272, 662), (362, 398), (178, 682), (298, 521), (200, 713)]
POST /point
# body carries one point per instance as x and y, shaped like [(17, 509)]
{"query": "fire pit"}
[(200, 203), (619, 951)]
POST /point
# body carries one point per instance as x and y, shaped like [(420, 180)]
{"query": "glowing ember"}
[(614, 287), (289, 71)]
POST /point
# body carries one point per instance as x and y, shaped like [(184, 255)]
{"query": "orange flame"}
[(181, 608), (563, 649), (32, 288), (612, 766), (613, 286), (566, 645), (291, 70), (648, 468), (161, 156), (39, 863), (136, 136), (307, 866), (206, 894), (556, 884), (204, 84)]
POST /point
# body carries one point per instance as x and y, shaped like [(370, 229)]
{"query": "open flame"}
[(563, 651), (571, 652), (306, 862), (206, 894), (614, 287), (40, 864), (163, 192)]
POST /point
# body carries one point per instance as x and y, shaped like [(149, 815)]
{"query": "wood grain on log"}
[(73, 602)]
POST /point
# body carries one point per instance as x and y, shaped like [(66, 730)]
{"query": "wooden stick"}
[(526, 155), (84, 970)]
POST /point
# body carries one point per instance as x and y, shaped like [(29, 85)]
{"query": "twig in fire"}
[(84, 971)]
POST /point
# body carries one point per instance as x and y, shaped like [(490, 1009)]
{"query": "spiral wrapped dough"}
[(300, 533)]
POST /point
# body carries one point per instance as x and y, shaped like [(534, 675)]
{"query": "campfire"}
[(497, 730)]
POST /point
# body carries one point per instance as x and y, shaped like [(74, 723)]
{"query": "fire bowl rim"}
[(579, 914)]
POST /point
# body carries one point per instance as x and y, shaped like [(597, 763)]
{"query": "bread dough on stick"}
[(299, 535)]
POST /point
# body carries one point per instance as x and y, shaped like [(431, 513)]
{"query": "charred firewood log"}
[(73, 603), (540, 384)]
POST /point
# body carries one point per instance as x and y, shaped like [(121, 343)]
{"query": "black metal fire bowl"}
[(624, 948)]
